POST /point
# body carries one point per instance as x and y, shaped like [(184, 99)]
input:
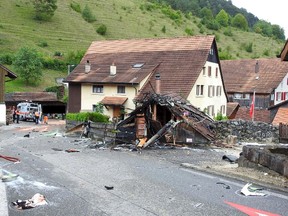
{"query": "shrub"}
[(43, 44), (220, 117), (55, 89), (163, 29), (249, 47), (54, 64), (57, 53), (87, 14), (101, 29), (189, 31), (6, 59), (76, 7), (228, 32), (85, 116)]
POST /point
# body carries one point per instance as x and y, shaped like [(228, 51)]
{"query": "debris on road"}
[(224, 185), (71, 150), (12, 159), (249, 190), (37, 200), (7, 176), (109, 187), (230, 158)]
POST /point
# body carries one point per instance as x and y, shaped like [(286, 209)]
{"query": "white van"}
[(27, 110)]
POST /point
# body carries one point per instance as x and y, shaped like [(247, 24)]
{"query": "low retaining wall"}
[(273, 157), (247, 131)]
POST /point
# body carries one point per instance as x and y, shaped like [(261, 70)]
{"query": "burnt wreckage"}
[(166, 118)]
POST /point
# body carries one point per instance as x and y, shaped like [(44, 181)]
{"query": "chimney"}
[(87, 67), (113, 69), (158, 83)]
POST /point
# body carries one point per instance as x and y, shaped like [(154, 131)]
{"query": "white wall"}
[(89, 98), (2, 113), (202, 102)]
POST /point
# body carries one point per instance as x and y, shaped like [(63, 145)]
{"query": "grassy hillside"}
[(68, 32)]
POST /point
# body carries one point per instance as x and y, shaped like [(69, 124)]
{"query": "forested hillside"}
[(61, 37)]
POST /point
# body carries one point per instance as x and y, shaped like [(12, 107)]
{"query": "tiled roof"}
[(281, 116), (231, 108), (31, 96), (114, 100), (259, 115), (178, 60), (239, 75)]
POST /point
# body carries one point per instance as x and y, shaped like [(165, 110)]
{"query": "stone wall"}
[(272, 157), (247, 131)]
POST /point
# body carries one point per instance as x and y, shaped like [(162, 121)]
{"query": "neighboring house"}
[(5, 75), (267, 77), (116, 73), (279, 112)]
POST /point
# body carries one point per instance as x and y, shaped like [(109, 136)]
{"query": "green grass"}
[(68, 31)]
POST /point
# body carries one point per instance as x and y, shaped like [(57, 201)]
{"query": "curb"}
[(235, 177)]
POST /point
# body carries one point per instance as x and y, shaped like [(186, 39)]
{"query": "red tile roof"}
[(114, 100), (281, 116), (259, 115), (232, 109), (178, 60), (239, 75)]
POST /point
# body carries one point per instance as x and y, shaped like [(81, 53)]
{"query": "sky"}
[(273, 11)]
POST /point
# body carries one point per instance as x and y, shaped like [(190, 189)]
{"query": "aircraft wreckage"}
[(166, 118)]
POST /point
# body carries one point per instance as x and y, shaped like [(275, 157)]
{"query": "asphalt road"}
[(143, 184)]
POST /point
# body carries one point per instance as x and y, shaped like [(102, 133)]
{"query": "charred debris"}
[(165, 120)]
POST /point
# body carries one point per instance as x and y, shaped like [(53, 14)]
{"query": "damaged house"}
[(122, 76)]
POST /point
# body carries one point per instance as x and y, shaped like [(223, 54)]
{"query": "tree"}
[(278, 32), (263, 28), (222, 18), (28, 64), (239, 21), (44, 9)]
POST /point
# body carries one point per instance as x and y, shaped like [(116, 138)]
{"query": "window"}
[(121, 89), (284, 96), (210, 110), (216, 72), (199, 90), (209, 71), (222, 109), (204, 71), (241, 96), (278, 96), (218, 91), (211, 91), (97, 89), (138, 65), (211, 51)]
